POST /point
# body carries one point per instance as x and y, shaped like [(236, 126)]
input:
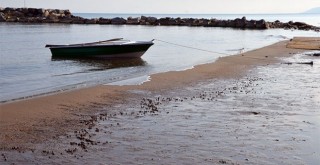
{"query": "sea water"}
[(27, 69)]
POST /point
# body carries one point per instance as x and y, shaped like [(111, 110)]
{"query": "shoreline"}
[(53, 106), (115, 83), (28, 123), (73, 89)]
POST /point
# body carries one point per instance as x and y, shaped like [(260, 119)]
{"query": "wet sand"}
[(208, 114), (304, 43)]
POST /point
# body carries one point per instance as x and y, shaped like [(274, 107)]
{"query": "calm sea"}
[(27, 69)]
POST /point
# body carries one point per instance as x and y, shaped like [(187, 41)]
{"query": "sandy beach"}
[(236, 110)]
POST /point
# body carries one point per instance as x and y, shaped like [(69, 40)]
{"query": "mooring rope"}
[(209, 51), (204, 50), (241, 53)]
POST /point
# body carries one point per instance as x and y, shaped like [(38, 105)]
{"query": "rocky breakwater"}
[(32, 15)]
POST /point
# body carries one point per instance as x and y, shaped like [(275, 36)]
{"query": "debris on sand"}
[(305, 63)]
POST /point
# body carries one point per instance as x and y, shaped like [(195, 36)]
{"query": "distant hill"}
[(314, 10)]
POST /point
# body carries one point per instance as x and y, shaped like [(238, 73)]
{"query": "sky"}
[(170, 6)]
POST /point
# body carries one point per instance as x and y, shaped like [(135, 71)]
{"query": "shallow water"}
[(26, 66), (269, 116)]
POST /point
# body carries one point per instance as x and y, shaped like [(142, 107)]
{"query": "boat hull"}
[(102, 51)]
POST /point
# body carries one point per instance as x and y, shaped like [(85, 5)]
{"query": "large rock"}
[(302, 26), (2, 17), (67, 14), (58, 11), (53, 16), (231, 23), (148, 20), (165, 21), (90, 21), (195, 22), (17, 14), (133, 21), (23, 19), (118, 21), (66, 20), (104, 21), (262, 24), (46, 14), (184, 22), (222, 23), (213, 22), (251, 24), (143, 20), (288, 26), (40, 12), (240, 23), (78, 20), (152, 21), (8, 9), (277, 24), (11, 19), (168, 21), (203, 22), (24, 10), (298, 23), (51, 20), (178, 21), (32, 12), (39, 20)]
